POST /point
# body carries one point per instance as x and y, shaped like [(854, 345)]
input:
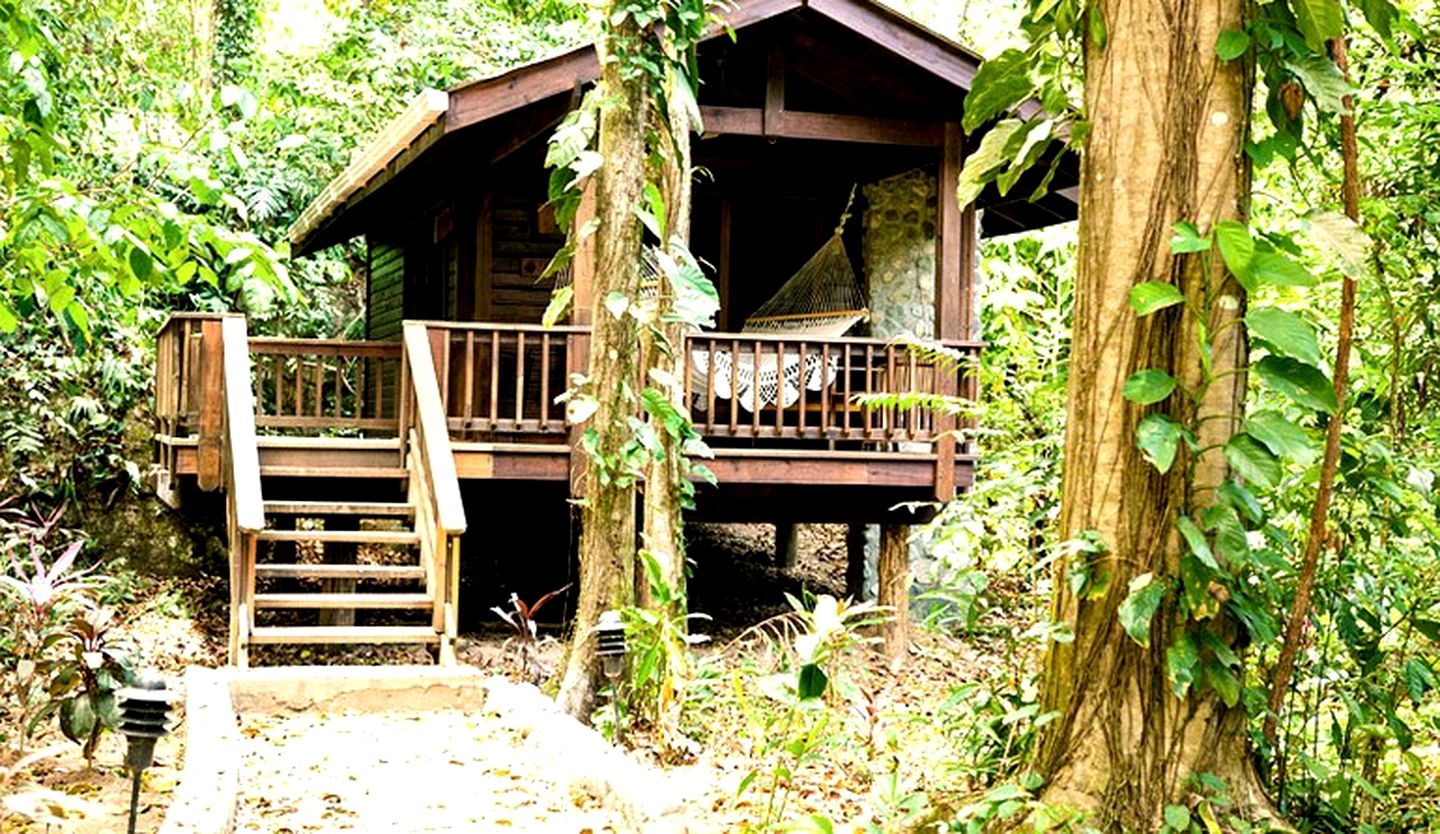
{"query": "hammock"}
[(822, 299)]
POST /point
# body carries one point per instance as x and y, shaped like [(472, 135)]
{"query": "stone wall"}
[(899, 253)]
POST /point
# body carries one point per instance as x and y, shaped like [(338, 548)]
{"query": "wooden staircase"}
[(329, 548)]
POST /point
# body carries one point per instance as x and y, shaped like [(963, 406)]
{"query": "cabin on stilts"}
[(347, 471)]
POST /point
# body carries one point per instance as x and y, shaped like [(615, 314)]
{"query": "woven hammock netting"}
[(822, 298)]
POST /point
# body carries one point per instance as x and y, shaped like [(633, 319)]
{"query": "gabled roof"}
[(435, 115)]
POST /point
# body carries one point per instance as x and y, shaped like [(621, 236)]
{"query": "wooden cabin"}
[(350, 469)]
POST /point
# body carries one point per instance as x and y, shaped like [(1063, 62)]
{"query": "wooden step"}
[(343, 634), (263, 571), (315, 509), (375, 472), (367, 601), (353, 536)]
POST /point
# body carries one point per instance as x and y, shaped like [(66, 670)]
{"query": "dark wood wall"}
[(384, 308)]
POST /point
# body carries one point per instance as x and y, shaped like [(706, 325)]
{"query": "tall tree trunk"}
[(662, 347), (1169, 121), (607, 540)]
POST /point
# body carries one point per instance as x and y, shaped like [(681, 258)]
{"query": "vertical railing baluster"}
[(779, 387), (754, 387), (912, 428), (494, 378), (545, 381), (869, 388), (733, 404), (802, 370), (468, 411), (892, 414), (519, 378), (829, 380)]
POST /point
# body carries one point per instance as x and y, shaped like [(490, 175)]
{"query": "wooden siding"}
[(520, 251), (386, 306)]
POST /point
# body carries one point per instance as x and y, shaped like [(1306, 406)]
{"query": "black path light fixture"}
[(144, 717), (610, 631)]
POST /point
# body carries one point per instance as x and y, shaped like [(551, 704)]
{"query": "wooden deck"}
[(330, 447)]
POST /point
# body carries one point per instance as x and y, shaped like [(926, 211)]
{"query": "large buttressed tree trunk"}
[(1169, 122), (607, 540)]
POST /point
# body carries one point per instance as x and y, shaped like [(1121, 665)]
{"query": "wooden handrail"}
[(278, 346), (242, 456), (432, 433)]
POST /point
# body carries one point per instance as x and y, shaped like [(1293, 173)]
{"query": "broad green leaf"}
[(1195, 541), (1037, 139), (1187, 239), (1149, 386), (558, 306), (1236, 246), (694, 299), (1001, 83), (1158, 437), (1319, 21), (1177, 817), (1224, 682), (77, 718), (1231, 44), (141, 263), (987, 159), (1243, 500), (1429, 628), (8, 320), (1304, 384), (1380, 14), (1279, 270), (811, 682), (1281, 436), (1140, 605), (1419, 678), (1340, 239), (1286, 332), (1180, 660), (1150, 296), (1248, 457), (1323, 81)]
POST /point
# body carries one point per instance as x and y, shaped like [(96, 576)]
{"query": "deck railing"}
[(325, 385), (178, 367), (502, 379)]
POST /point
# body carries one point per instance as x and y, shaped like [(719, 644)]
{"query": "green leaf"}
[(1248, 457), (1304, 384), (694, 299), (1188, 239), (1419, 678), (811, 682), (1149, 386), (1242, 500), (1195, 541), (1286, 332), (1140, 605), (1429, 628), (77, 718), (1231, 44), (1224, 682), (1380, 14), (1236, 246), (8, 321), (987, 159), (1001, 83), (1279, 270), (1323, 81), (141, 264), (1341, 239), (1180, 660), (1177, 817), (1319, 21), (1280, 436), (1151, 296), (559, 304), (1158, 437)]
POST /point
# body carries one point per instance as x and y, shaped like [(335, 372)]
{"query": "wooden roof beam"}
[(831, 127)]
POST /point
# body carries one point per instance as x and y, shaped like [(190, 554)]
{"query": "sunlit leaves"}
[(1195, 542), (1252, 460), (1303, 384), (1280, 435), (1236, 247), (1146, 592), (1319, 21), (1286, 332), (1323, 81), (989, 158), (1001, 83), (1180, 661)]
